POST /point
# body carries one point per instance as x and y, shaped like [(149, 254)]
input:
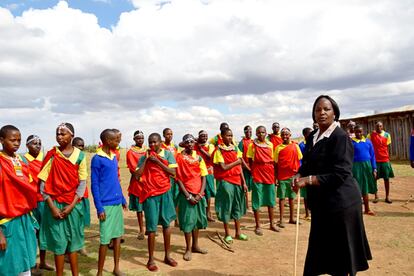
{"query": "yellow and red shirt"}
[(380, 141), (208, 160), (275, 139), (227, 154), (35, 165), (132, 157), (190, 170), (261, 154), (288, 159)]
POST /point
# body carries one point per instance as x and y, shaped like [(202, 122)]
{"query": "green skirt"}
[(190, 216), (384, 170), (304, 192), (230, 201), (20, 254), (362, 172), (134, 204), (159, 210), (86, 211), (249, 179), (62, 235), (284, 190), (263, 195), (210, 190), (113, 226), (175, 190), (38, 211)]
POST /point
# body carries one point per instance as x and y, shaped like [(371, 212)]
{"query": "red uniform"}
[(132, 158)]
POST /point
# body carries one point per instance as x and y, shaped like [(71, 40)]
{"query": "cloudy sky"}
[(191, 64)]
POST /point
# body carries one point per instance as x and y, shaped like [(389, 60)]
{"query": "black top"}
[(330, 160)]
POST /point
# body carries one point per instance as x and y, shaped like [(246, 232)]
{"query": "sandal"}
[(387, 200), (170, 261), (228, 240), (258, 231), (152, 267), (141, 236), (280, 224), (243, 237), (274, 228)]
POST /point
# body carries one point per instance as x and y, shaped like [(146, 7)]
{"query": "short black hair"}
[(154, 135), (306, 130), (224, 125), (335, 107), (165, 130), (116, 130), (257, 128), (105, 134), (76, 140), (138, 132), (246, 127), (358, 127), (224, 131), (5, 129)]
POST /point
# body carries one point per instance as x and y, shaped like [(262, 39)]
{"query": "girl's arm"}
[(170, 171), (246, 165), (243, 182), (187, 195), (229, 166), (141, 168), (203, 187), (55, 211), (3, 241), (208, 155)]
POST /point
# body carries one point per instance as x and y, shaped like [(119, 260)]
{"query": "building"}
[(398, 123)]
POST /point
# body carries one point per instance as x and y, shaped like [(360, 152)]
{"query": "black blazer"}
[(330, 160)]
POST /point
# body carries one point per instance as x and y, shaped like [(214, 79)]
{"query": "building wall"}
[(398, 124)]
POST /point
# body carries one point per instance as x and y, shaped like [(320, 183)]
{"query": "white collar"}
[(326, 134)]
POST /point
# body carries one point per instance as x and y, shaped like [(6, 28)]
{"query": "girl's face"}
[(168, 135), (202, 138), (80, 144), (324, 113), (248, 133), (379, 127), (139, 140), (261, 134), (34, 147), (228, 137), (275, 128), (189, 146), (154, 143), (63, 136), (359, 132), (285, 135), (11, 143)]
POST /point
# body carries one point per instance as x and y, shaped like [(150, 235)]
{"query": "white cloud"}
[(192, 64)]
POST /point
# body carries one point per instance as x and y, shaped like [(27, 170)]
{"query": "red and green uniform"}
[(135, 187), (230, 199), (157, 201), (263, 174), (18, 196), (210, 190), (288, 159), (175, 190), (62, 176), (244, 146), (381, 141), (190, 170)]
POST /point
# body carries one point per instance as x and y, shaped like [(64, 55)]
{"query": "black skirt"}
[(337, 243)]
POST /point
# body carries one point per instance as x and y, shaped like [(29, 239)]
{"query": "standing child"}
[(260, 154), (17, 199), (191, 174), (244, 146), (154, 171), (63, 182), (108, 198), (34, 157), (135, 187), (79, 143), (231, 186), (287, 158), (275, 137), (381, 140), (364, 168), (205, 150), (303, 192)]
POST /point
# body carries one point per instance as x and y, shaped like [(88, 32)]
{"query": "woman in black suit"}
[(337, 239)]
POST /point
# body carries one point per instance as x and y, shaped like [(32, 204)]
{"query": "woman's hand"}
[(56, 213), (67, 210), (102, 216)]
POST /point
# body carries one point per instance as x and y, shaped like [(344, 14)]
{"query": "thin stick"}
[(222, 240), (220, 244), (297, 234)]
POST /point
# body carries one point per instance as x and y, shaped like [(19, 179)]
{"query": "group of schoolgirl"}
[(44, 200)]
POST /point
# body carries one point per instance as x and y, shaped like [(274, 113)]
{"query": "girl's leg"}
[(101, 259), (237, 226), (366, 205), (73, 259), (305, 203), (208, 212), (117, 254), (387, 190), (151, 245), (59, 264), (291, 210), (195, 247), (42, 263), (226, 229), (281, 211), (167, 245), (140, 223), (187, 254), (273, 227)]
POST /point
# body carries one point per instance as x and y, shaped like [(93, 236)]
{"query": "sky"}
[(192, 64)]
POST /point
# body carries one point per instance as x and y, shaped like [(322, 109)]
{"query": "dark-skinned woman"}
[(337, 241)]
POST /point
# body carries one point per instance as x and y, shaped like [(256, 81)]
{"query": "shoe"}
[(228, 240), (243, 237)]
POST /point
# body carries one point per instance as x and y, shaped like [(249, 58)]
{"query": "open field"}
[(390, 233)]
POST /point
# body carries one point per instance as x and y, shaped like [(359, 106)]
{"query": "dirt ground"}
[(390, 234)]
